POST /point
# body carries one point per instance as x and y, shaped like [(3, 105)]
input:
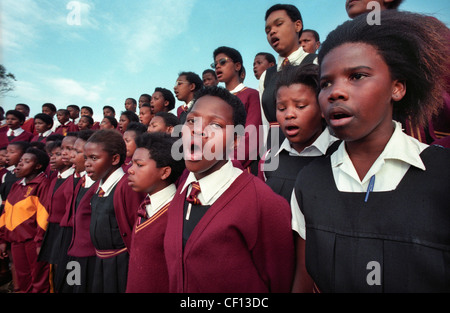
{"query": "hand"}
[(3, 253)]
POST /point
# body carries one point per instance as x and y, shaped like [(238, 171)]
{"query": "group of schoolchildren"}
[(352, 173)]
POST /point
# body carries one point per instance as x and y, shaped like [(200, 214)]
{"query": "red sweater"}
[(24, 136), (25, 215), (147, 269), (242, 244)]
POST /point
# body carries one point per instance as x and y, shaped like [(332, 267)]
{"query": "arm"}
[(302, 281)]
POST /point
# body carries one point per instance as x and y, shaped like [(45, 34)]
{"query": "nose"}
[(337, 91), (289, 113)]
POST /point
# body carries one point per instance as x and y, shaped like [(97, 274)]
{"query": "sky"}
[(100, 52)]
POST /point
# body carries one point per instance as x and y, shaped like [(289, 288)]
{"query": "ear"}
[(169, 129), (192, 87), (166, 103), (298, 26), (115, 159), (237, 66), (398, 90), (165, 172)]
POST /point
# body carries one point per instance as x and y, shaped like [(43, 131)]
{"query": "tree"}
[(6, 81)]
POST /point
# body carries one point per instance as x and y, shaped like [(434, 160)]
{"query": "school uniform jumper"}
[(241, 243), (6, 137)]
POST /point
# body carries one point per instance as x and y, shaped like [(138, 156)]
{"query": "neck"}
[(295, 48), (233, 83), (31, 177)]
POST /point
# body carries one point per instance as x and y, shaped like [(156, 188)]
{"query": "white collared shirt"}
[(237, 88), (111, 181), (88, 181), (215, 184), (9, 169), (66, 173), (318, 148), (160, 199), (401, 152), (46, 133), (17, 131)]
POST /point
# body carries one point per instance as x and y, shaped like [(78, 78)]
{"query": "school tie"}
[(193, 195), (12, 134), (185, 107), (285, 62), (101, 192), (142, 211), (83, 181)]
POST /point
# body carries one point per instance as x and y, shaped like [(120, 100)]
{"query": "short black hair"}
[(307, 74), (312, 31), (112, 142), (25, 106), (109, 108), (51, 106), (210, 71), (239, 113), (112, 120), (193, 78), (17, 114), (38, 145), (22, 145), (89, 119), (41, 157), (269, 57), (54, 137), (168, 96), (232, 53), (132, 100), (85, 134), (65, 111), (131, 116), (74, 106), (47, 119), (291, 10), (159, 146), (88, 108), (137, 127), (146, 95), (53, 145), (394, 4), (170, 119)]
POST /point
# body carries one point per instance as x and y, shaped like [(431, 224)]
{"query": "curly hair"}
[(415, 49)]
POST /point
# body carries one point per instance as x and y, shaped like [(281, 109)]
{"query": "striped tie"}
[(142, 211), (193, 195), (101, 193), (285, 62)]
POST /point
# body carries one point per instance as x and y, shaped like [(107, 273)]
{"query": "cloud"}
[(146, 37), (71, 89)]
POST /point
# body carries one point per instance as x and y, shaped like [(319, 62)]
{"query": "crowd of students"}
[(361, 167)]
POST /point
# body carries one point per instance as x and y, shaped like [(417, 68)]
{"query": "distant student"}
[(23, 219), (310, 41), (66, 125), (228, 66), (14, 152), (163, 100), (108, 122), (86, 122), (74, 112), (145, 114), (126, 118), (133, 131), (43, 124), (2, 120), (185, 87), (144, 98), (355, 8), (262, 61), (209, 78), (3, 163), (28, 125), (50, 109), (212, 244), (15, 132), (154, 172), (86, 110), (163, 122), (300, 119), (113, 210), (81, 248), (284, 25), (377, 210), (109, 111), (130, 104)]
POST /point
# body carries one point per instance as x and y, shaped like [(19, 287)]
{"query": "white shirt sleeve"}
[(298, 219)]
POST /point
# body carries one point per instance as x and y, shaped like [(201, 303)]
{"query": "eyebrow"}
[(350, 70)]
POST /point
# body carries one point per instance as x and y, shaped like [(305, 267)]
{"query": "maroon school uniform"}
[(29, 126), (5, 141), (243, 243), (40, 138), (66, 128)]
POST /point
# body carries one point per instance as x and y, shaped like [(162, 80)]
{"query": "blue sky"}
[(123, 48)]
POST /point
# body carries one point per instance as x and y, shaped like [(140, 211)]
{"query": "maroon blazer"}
[(242, 244), (43, 140), (64, 129), (24, 136)]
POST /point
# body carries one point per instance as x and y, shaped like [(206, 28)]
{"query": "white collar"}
[(400, 147), (17, 131), (295, 58), (237, 88), (160, 199), (111, 181), (46, 133), (318, 148), (66, 173), (212, 184)]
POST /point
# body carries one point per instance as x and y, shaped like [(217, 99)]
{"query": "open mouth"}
[(194, 153), (291, 130), (274, 41), (340, 118)]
